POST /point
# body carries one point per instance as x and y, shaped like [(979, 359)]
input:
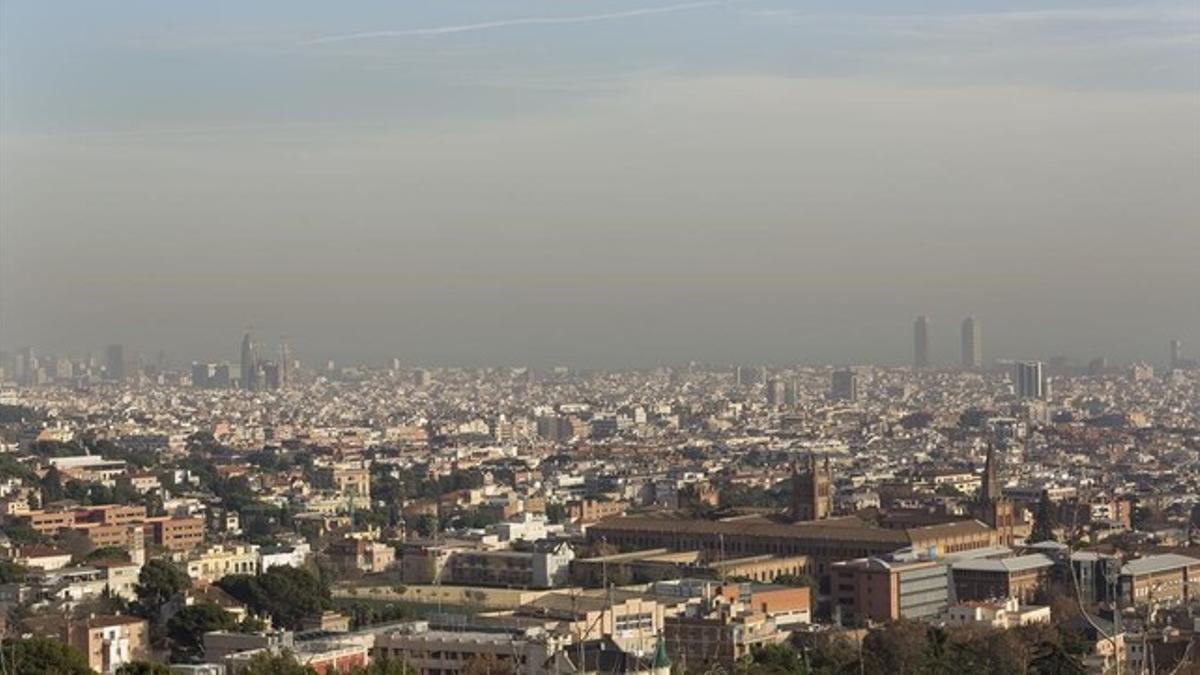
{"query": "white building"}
[(1005, 614)]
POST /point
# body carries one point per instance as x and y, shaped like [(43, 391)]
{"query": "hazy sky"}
[(600, 183)]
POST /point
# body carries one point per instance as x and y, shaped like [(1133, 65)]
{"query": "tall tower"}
[(921, 343), (1029, 381), (990, 487), (1176, 354), (114, 363), (844, 385), (285, 363), (249, 363), (812, 491), (993, 507), (972, 343)]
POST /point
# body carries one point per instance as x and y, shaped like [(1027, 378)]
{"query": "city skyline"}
[(253, 367), (663, 337), (422, 180)]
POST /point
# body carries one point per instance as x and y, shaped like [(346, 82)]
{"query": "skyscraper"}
[(776, 392), (114, 363), (972, 343), (1029, 381), (202, 375), (1176, 354), (921, 343), (844, 386), (285, 363), (249, 363)]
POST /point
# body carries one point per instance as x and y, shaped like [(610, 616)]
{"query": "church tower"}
[(812, 491), (994, 508)]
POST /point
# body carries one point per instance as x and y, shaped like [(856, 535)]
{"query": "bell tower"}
[(994, 508), (812, 490)]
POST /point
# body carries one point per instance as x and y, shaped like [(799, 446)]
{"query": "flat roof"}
[(1158, 563), (1021, 563)]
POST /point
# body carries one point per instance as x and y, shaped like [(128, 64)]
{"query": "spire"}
[(990, 489), (660, 655)]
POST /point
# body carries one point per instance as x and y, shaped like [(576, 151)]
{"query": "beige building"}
[(591, 510), (662, 564), (1002, 614), (108, 642), (362, 555), (351, 481), (222, 560), (633, 623), (724, 635), (439, 652), (1169, 578)]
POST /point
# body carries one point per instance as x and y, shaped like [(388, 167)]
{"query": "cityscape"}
[(642, 337), (703, 518)]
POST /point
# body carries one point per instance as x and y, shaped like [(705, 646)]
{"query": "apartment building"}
[(879, 589), (1169, 578), (174, 534), (1019, 577), (109, 642)]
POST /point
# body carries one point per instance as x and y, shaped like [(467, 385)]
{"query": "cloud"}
[(506, 23)]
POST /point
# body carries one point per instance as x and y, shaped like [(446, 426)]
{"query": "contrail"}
[(505, 23)]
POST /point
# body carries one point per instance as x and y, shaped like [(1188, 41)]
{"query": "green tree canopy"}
[(107, 553), (43, 655), (158, 582), (265, 663), (144, 668), (286, 594), (11, 572), (187, 628), (1044, 521)]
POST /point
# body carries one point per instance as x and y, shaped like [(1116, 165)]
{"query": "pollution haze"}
[(601, 184)]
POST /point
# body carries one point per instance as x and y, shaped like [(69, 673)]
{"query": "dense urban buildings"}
[(660, 520)]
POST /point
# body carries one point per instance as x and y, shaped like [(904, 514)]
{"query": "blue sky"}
[(592, 182)]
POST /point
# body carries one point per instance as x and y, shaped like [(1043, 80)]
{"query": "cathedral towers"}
[(993, 507)]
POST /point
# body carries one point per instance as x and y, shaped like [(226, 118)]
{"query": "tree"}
[(426, 525), (11, 467), (187, 628), (287, 594), (775, 659), (1052, 659), (283, 663), (107, 553), (556, 513), (898, 647), (52, 487), (43, 655), (143, 668), (11, 572), (802, 580), (22, 533), (1043, 521), (158, 582)]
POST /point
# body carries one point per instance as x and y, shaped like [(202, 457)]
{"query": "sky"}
[(616, 183)]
